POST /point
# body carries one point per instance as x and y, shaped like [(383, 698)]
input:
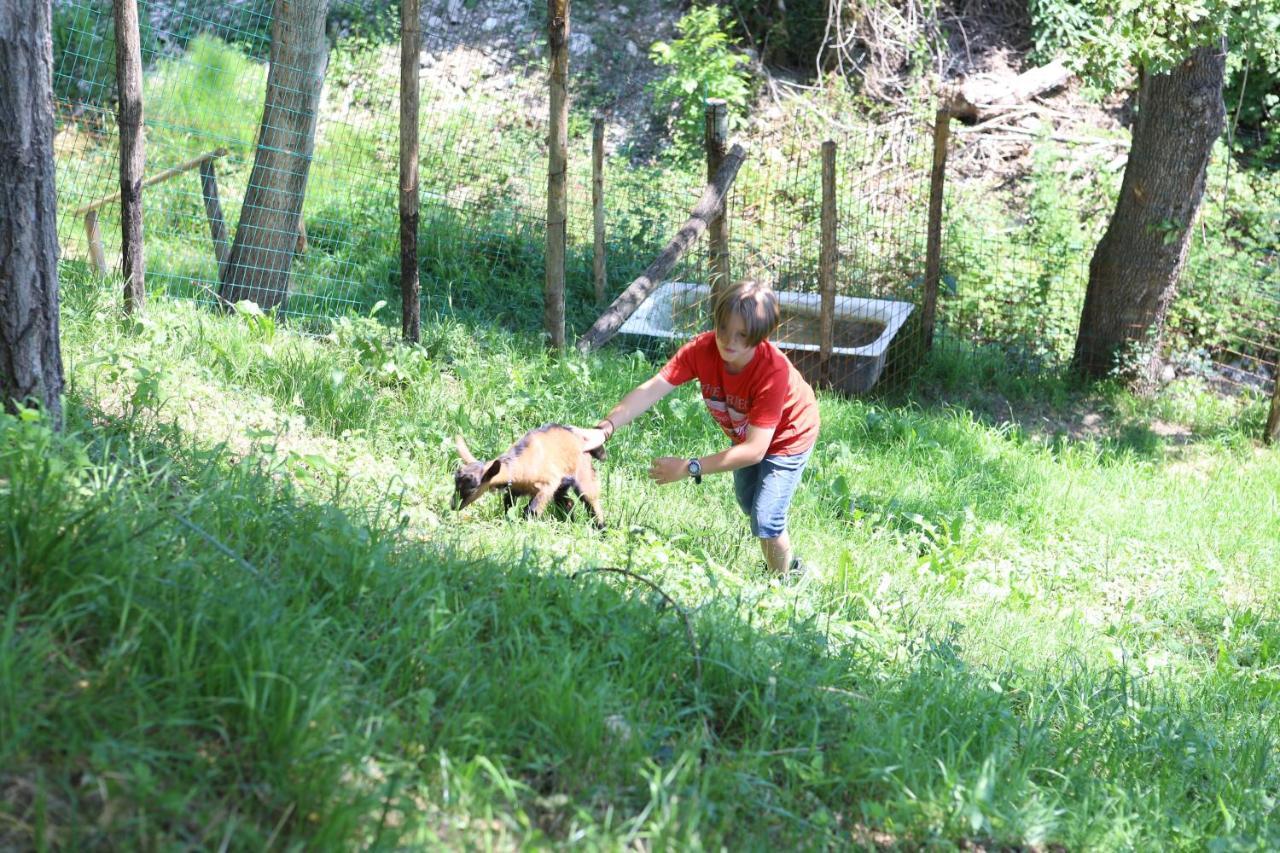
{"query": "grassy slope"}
[(238, 609)]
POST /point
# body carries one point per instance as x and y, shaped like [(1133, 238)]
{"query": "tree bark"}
[(1134, 272), (267, 236), (30, 360)]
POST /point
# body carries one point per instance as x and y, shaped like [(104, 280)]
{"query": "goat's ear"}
[(494, 469), (463, 450)]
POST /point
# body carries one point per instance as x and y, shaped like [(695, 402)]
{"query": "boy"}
[(760, 401)]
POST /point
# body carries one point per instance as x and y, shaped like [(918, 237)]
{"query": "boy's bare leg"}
[(777, 553)]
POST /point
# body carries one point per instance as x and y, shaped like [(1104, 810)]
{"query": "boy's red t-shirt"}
[(769, 392)]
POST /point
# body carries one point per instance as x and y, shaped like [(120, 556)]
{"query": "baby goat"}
[(546, 464)]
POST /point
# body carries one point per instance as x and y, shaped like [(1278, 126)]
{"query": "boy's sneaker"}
[(797, 571)]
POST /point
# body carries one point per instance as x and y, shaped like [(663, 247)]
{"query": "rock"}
[(623, 11), (435, 22), (632, 49), (455, 11), (1168, 374), (489, 24), (580, 44), (617, 725)]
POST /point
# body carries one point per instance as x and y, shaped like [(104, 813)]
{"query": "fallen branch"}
[(703, 212), (688, 625), (980, 98)]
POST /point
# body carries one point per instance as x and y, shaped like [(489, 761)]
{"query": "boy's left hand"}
[(668, 469)]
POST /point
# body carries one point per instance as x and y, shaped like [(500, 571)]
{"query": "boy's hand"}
[(668, 469), (591, 438)]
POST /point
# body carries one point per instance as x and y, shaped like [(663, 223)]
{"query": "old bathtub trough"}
[(863, 329)]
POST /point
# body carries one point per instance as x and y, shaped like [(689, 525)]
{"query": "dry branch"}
[(707, 207)]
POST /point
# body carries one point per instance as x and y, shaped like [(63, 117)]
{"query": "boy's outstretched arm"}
[(637, 401), (671, 469)]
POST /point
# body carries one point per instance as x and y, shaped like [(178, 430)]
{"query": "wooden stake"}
[(410, 287), (129, 116), (933, 245), (597, 203), (94, 235), (716, 136), (213, 212), (1271, 435), (557, 160), (625, 305), (827, 261)]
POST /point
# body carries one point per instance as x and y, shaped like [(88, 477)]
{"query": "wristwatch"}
[(695, 471)]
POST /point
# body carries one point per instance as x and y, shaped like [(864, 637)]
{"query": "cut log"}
[(982, 97), (703, 212)]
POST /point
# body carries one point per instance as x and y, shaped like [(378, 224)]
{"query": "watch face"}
[(695, 467)]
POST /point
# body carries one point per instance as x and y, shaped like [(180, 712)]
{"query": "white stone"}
[(489, 24), (580, 44), (632, 50)]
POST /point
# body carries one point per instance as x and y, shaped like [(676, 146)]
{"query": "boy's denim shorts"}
[(764, 491)]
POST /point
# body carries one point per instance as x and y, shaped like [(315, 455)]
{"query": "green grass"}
[(237, 610), (239, 613)]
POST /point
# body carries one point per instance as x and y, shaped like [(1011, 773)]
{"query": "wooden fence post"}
[(132, 155), (1271, 435), (713, 196), (557, 160), (933, 245), (827, 261), (716, 136), (94, 235), (597, 204), (410, 287), (213, 212)]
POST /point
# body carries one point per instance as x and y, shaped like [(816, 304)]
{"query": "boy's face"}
[(732, 342)]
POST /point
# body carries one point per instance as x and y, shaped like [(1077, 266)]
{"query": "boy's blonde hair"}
[(753, 301)]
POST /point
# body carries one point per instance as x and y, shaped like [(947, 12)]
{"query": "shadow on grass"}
[(307, 668)]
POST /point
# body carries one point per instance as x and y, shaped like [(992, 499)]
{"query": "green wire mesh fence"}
[(1010, 283), (225, 213)]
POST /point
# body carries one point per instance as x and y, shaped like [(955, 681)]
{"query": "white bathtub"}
[(678, 309)]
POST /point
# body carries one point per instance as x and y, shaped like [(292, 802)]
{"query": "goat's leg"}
[(539, 501), (588, 485)]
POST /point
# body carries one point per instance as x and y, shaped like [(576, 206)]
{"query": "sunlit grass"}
[(237, 596)]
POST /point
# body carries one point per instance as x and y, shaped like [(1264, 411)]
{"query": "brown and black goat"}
[(546, 464)]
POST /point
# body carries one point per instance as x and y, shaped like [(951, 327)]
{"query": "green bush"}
[(701, 64)]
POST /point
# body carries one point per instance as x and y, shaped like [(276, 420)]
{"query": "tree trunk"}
[(30, 361), (1134, 272), (267, 236)]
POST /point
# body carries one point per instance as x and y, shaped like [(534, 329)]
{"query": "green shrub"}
[(701, 64)]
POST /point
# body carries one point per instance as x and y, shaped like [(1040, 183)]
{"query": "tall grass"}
[(238, 611)]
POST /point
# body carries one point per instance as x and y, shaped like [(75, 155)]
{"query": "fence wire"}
[(1011, 285), (204, 86)]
